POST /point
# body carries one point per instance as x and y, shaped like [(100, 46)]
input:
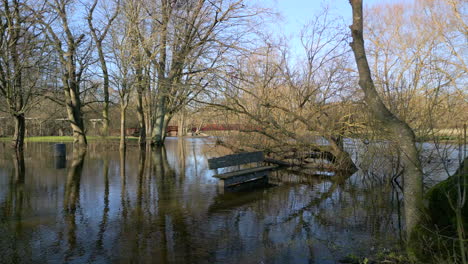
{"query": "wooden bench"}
[(239, 176)]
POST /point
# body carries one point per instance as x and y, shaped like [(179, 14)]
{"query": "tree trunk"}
[(141, 118), (401, 133), (20, 129), (123, 112), (342, 159), (105, 76), (167, 119), (181, 125), (148, 107), (140, 110), (105, 115), (16, 97), (73, 106), (159, 128), (148, 124), (163, 82)]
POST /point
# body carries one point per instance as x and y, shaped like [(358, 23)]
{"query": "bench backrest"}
[(235, 159)]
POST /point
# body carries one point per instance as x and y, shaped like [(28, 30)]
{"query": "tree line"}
[(76, 53)]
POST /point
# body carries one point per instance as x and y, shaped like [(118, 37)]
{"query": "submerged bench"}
[(240, 175)]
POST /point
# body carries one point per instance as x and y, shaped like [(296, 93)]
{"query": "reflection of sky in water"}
[(166, 208)]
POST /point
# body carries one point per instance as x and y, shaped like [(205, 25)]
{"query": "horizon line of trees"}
[(156, 55)]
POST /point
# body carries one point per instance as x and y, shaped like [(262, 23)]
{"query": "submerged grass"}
[(67, 138)]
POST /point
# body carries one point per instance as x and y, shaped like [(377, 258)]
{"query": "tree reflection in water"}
[(161, 205), (12, 209), (71, 200)]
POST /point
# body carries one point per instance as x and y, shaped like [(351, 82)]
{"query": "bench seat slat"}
[(231, 174)]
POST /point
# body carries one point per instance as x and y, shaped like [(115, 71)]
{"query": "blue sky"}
[(296, 13)]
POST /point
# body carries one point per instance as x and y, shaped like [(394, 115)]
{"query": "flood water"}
[(164, 206)]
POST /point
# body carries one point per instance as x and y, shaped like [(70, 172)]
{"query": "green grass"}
[(66, 138)]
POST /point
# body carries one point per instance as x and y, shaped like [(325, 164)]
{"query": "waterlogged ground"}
[(163, 206)]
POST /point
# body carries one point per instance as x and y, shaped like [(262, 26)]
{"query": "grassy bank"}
[(67, 138)]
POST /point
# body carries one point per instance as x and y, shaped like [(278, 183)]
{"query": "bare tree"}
[(123, 51), (74, 55), (22, 50), (99, 36), (412, 69), (181, 39), (130, 64), (399, 131), (293, 112)]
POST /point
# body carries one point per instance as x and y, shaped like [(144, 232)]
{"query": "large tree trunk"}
[(20, 128), (401, 133), (159, 127), (75, 116)]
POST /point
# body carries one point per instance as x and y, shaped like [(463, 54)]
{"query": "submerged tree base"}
[(441, 235)]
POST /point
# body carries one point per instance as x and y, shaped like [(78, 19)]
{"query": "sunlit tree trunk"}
[(123, 111), (74, 112), (105, 86), (158, 132), (400, 131), (181, 124), (140, 110)]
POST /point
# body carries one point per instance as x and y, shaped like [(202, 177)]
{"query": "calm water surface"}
[(163, 206)]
